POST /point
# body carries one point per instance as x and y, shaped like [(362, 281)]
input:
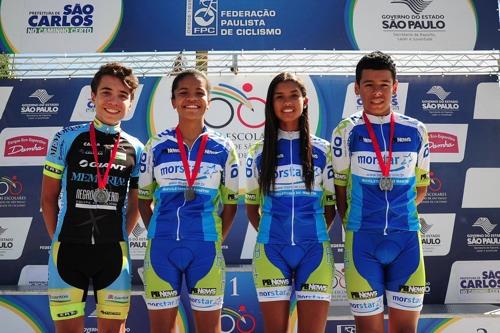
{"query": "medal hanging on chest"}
[(386, 183), (189, 192), (101, 195)]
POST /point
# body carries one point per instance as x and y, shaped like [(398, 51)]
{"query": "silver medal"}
[(101, 196), (189, 194), (386, 183)]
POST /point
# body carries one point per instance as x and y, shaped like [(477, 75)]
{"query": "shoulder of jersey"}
[(256, 148), (348, 123), (132, 139), (163, 136), (320, 143), (408, 121), (220, 138)]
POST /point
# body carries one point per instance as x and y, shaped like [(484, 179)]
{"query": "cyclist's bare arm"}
[(227, 216), (146, 210), (341, 195), (132, 210), (49, 203), (421, 192), (253, 215)]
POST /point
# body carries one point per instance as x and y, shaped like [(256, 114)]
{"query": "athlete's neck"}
[(190, 131), (381, 114), (106, 128)]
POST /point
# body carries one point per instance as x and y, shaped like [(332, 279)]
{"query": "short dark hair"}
[(125, 74), (376, 60), (190, 72)]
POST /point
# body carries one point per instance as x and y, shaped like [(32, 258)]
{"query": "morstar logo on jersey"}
[(442, 142), (77, 18), (441, 106), (26, 145), (41, 110), (486, 242)]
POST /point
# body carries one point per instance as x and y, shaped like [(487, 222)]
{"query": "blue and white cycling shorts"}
[(310, 265), (73, 266), (377, 263), (202, 264)]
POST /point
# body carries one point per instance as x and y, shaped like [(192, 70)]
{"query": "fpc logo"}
[(202, 17)]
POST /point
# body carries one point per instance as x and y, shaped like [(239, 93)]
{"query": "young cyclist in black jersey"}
[(378, 201), (93, 168), (291, 202), (189, 172)]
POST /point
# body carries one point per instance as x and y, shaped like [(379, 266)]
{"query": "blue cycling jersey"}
[(70, 159), (356, 167), (162, 178), (290, 214)]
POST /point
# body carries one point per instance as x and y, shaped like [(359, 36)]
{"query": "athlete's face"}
[(288, 104), (191, 99), (376, 88), (112, 100)]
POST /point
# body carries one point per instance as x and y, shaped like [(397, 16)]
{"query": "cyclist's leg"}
[(273, 281), (313, 285), (207, 321), (364, 278)]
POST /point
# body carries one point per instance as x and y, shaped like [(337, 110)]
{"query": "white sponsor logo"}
[(4, 98), (138, 241)]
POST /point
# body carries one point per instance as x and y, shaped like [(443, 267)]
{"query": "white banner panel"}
[(487, 105), (32, 26), (13, 234), (414, 25), (437, 232), (474, 282), (447, 142), (481, 188), (25, 145)]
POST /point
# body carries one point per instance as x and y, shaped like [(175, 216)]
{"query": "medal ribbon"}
[(385, 166), (102, 182), (190, 176)]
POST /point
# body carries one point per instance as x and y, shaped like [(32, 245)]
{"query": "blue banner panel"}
[(459, 215), (61, 26)]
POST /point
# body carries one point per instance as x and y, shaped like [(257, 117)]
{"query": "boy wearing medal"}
[(381, 165), (93, 168), (190, 174)]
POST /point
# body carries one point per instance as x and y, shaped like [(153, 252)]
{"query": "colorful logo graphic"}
[(237, 320), (10, 186), (249, 110)]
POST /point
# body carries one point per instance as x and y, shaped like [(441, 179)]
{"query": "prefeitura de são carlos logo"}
[(236, 108)]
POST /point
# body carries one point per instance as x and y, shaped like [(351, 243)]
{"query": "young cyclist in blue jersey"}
[(381, 163), (94, 167), (188, 172), (290, 201)]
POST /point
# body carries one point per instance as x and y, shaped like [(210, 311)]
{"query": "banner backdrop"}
[(68, 26), (459, 216)]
